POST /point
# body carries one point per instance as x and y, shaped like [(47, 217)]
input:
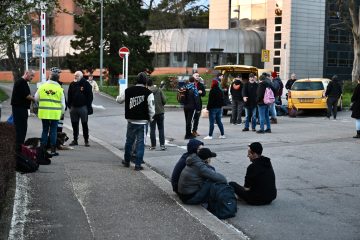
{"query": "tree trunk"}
[(356, 64), (14, 62)]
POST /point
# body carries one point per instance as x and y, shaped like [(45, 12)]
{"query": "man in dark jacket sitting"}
[(259, 187)]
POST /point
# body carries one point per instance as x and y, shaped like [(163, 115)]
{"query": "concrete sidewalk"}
[(87, 194)]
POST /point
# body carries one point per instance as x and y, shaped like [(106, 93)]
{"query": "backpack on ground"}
[(181, 96), (222, 201), (25, 164), (269, 97)]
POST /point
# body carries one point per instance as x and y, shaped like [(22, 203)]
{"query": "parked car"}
[(310, 94)]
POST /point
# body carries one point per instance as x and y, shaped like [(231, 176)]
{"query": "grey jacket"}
[(160, 99), (195, 174)]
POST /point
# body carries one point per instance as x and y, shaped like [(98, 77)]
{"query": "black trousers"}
[(332, 106), (196, 120), (20, 120), (189, 118)]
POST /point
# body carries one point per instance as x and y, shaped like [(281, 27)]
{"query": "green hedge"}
[(3, 96)]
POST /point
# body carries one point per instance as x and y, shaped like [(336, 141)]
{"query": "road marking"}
[(20, 209)]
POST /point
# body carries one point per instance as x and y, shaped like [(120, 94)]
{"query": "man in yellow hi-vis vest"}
[(50, 96)]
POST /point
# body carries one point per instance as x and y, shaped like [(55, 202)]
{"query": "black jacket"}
[(80, 94), (249, 91), (260, 92), (192, 101), (260, 178), (236, 91), (334, 89), (216, 98), (201, 87), (289, 83), (20, 91), (355, 99)]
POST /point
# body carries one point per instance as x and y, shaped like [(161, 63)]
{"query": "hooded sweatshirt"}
[(260, 178), (195, 174), (192, 147)]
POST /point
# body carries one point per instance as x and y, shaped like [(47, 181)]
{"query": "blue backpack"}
[(222, 201)]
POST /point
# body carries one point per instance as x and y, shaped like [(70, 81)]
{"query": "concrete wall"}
[(307, 32), (219, 14), (64, 23)]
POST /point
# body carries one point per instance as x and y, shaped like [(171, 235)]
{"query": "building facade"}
[(299, 34)]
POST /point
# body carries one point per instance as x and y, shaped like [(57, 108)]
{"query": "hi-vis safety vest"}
[(50, 101)]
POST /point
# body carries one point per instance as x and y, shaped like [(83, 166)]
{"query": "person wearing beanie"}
[(249, 97), (197, 178), (201, 90), (139, 111), (237, 100), (259, 187), (333, 93), (193, 146), (191, 106), (55, 76), (214, 107)]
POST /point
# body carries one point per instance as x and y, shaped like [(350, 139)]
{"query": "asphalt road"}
[(316, 162)]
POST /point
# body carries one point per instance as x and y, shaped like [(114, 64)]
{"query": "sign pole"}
[(123, 82), (26, 50), (43, 44)]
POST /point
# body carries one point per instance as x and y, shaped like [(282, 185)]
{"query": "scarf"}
[(191, 86)]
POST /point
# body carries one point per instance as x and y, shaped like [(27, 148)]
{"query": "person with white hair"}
[(80, 97)]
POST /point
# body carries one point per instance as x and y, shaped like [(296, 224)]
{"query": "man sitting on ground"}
[(259, 187)]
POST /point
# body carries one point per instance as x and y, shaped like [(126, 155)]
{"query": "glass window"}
[(277, 28), (277, 36), (276, 69), (276, 53), (277, 44), (332, 58), (277, 61), (307, 86), (278, 20)]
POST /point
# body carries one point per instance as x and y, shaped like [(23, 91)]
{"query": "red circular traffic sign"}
[(123, 51)]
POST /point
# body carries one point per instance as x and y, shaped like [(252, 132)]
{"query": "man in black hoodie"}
[(237, 100), (80, 98), (333, 93), (259, 187)]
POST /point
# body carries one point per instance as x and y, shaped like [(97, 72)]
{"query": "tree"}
[(14, 14), (124, 25), (349, 13)]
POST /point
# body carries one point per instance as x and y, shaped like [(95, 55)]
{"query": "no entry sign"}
[(123, 51)]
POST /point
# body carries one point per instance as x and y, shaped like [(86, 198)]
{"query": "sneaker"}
[(138, 168), (162, 147), (254, 130), (245, 130), (53, 154), (273, 120), (208, 137), (222, 137), (195, 133), (260, 131), (126, 164), (152, 148), (87, 144), (189, 136), (73, 143), (268, 131)]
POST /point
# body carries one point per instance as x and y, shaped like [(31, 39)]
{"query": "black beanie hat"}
[(142, 78)]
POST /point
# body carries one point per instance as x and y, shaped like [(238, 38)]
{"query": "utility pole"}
[(101, 43), (238, 37)]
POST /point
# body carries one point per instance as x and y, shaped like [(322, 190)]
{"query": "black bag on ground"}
[(42, 156), (222, 201), (25, 164)]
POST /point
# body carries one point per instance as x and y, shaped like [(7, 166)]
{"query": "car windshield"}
[(307, 86)]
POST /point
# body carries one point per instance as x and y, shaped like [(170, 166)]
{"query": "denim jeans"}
[(272, 110), (159, 121), (215, 114), (49, 125), (357, 124), (135, 132), (332, 106), (264, 116), (250, 113)]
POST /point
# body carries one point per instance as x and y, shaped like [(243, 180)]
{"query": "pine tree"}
[(123, 25)]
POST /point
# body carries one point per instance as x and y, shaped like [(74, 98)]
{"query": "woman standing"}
[(214, 105), (355, 99)]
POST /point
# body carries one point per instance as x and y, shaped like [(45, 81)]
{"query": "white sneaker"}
[(208, 137), (222, 137)]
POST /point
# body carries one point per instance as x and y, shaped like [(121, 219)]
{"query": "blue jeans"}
[(264, 116), (52, 126), (272, 110), (250, 113), (215, 114), (159, 121), (135, 132), (357, 124)]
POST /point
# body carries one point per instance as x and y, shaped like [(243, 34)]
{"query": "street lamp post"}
[(101, 43), (238, 38)]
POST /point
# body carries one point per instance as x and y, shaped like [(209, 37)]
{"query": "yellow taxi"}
[(309, 94)]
